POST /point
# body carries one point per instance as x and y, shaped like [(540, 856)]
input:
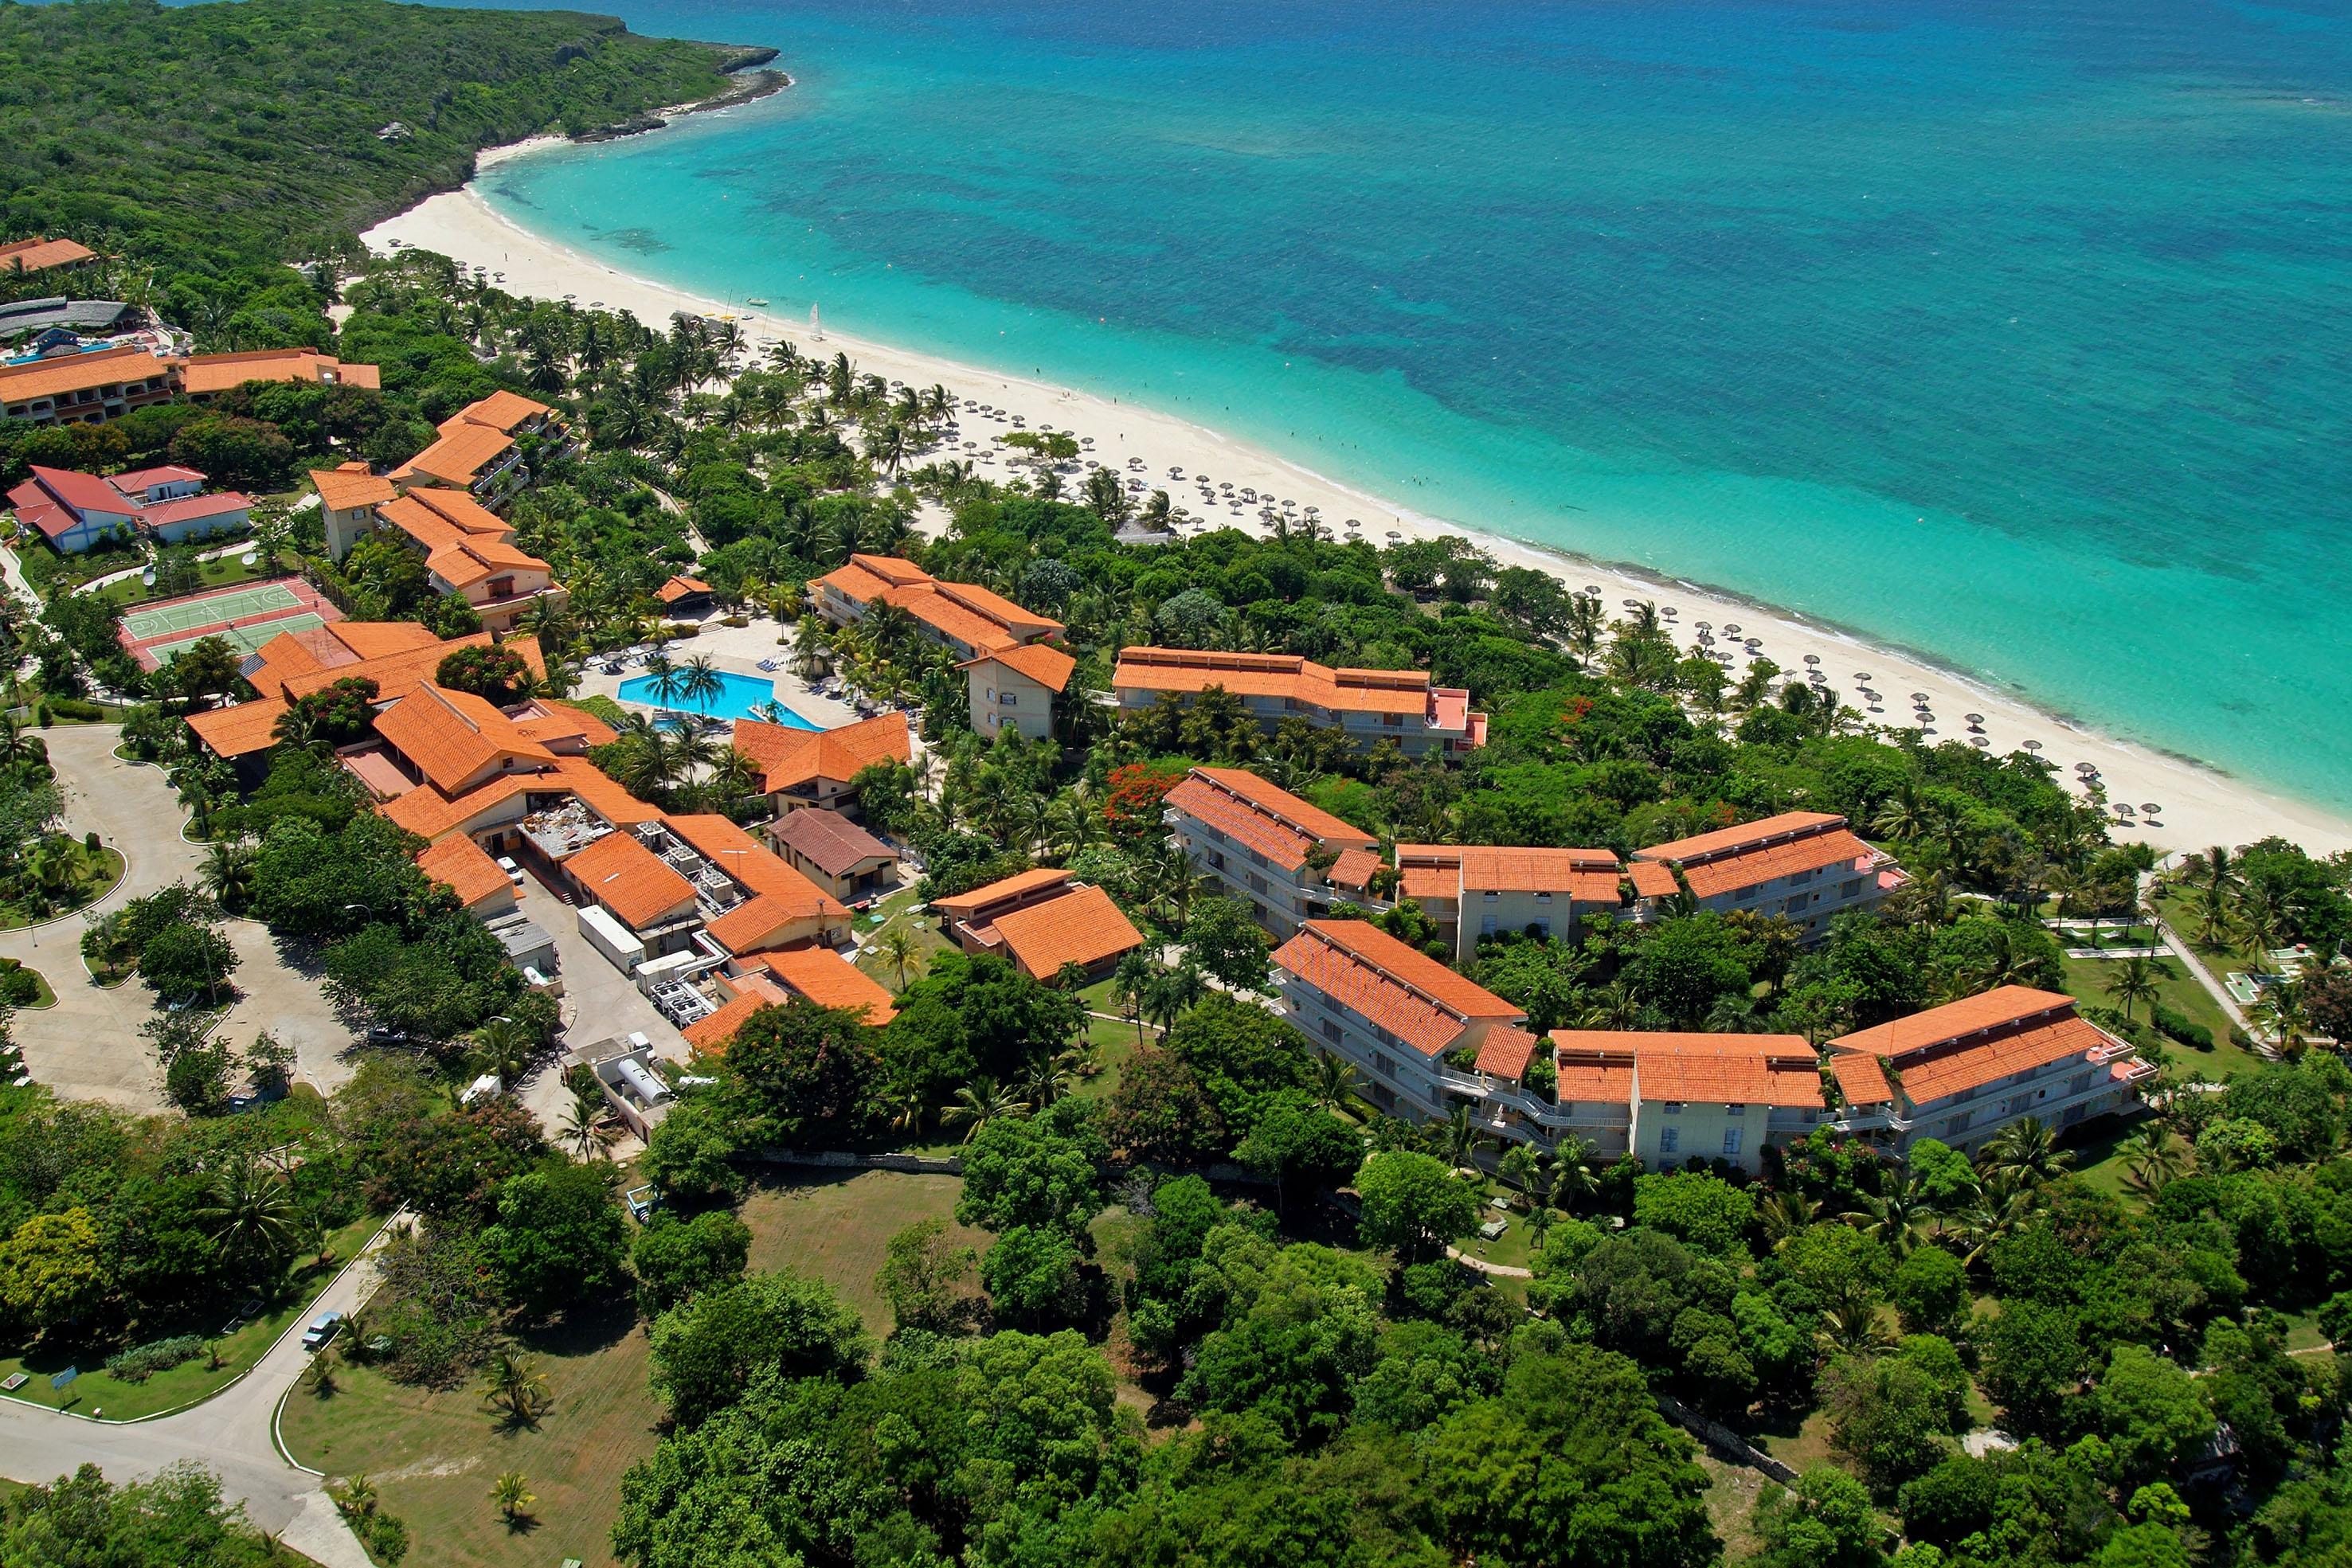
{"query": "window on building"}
[(1735, 1110), (1670, 1140), (1393, 719), (1330, 1030), (1008, 699), (1486, 925), (1731, 1137), (1674, 1107)]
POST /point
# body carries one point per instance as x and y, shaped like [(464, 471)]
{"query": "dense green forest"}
[(212, 136)]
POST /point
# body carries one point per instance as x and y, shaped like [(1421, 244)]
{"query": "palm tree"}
[(588, 1128), (1612, 1006), (700, 681), (1902, 818), (512, 1383), (898, 946), (1852, 1328), (1787, 1212), (1173, 992), (2152, 1157), (2135, 979), (1334, 1082), (978, 1104), (251, 1216), (1573, 1178), (666, 684), (1895, 1219), (1131, 982), (1459, 1137), (2024, 1156), (512, 1491), (1521, 1164), (503, 1047), (358, 1499), (2283, 1011), (1539, 1223)]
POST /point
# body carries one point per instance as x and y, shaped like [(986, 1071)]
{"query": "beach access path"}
[(233, 1435)]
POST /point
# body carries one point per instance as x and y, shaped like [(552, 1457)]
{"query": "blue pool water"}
[(738, 695), (2008, 331)]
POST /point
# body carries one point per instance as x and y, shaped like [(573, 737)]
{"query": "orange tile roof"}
[(1755, 852), (1974, 1042), (80, 373), (770, 920), (965, 612), (1263, 816), (958, 623), (828, 841), (1592, 1070), (791, 757), (630, 880), (753, 865), (475, 558), (219, 373), (1727, 1070), (429, 814), (1040, 662), (550, 721), (238, 731), (603, 793), (1861, 1078), (1083, 926), (1402, 989), (454, 511), (395, 673), (1354, 868), (710, 1034), (341, 490), (1506, 1051), (458, 457), (681, 587), (1429, 884), (462, 866), (502, 412), (830, 981), (1405, 692), (1652, 880), (1586, 876), (451, 736), (860, 583), (40, 254), (964, 906), (379, 639)]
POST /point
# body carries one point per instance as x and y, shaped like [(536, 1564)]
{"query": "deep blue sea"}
[(2011, 333)]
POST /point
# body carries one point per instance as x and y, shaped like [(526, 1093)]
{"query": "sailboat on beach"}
[(816, 332)]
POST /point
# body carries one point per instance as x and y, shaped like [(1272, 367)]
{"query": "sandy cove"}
[(2199, 805)]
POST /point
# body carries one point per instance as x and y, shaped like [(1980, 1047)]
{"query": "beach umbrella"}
[(1979, 740), (2151, 808), (1919, 697), (1974, 717), (1813, 658), (1731, 628), (2033, 745)]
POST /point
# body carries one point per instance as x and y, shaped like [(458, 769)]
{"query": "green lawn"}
[(46, 996), (835, 1226), (96, 1389), (897, 911), (222, 572), (2087, 979), (104, 871)]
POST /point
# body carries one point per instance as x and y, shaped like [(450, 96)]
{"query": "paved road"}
[(88, 1046), (228, 1435)]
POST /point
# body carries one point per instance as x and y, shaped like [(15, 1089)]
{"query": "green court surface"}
[(241, 639), (186, 616)]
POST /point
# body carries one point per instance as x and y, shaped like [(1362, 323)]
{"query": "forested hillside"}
[(249, 132)]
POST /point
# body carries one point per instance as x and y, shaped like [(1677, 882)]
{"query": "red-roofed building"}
[(205, 376), (77, 512), (1475, 890), (1265, 846), (1962, 1071), (463, 867), (1805, 866), (1041, 920), (467, 548), (834, 852), (87, 388), (1368, 706), (684, 595), (22, 255), (1411, 1027), (1007, 652), (813, 767)]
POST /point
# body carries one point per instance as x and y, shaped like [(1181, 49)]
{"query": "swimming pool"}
[(738, 695)]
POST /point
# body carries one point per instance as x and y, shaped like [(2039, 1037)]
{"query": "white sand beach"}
[(2193, 806)]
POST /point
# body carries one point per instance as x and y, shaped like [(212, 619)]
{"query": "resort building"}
[(462, 866), (816, 974), (1962, 1071), (76, 320), (479, 450), (683, 595), (1414, 1028), (87, 388), (77, 512), (1474, 891), (205, 377), (981, 628), (1263, 845), (42, 255), (1425, 1039), (834, 852), (468, 549), (1808, 867), (347, 497), (1014, 688), (1041, 921), (813, 767), (1368, 706)]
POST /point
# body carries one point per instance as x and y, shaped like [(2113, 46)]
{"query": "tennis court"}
[(243, 639), (186, 615)]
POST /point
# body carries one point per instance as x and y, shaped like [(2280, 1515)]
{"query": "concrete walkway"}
[(88, 1047), (231, 1435)]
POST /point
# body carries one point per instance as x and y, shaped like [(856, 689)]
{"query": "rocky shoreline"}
[(759, 83)]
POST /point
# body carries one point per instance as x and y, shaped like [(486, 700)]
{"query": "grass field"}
[(432, 1455), (2087, 979), (101, 872), (897, 910), (96, 1389), (221, 571)]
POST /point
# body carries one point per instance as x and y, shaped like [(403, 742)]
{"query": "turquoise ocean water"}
[(2010, 333)]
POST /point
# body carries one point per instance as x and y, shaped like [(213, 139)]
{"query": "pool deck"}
[(738, 649)]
